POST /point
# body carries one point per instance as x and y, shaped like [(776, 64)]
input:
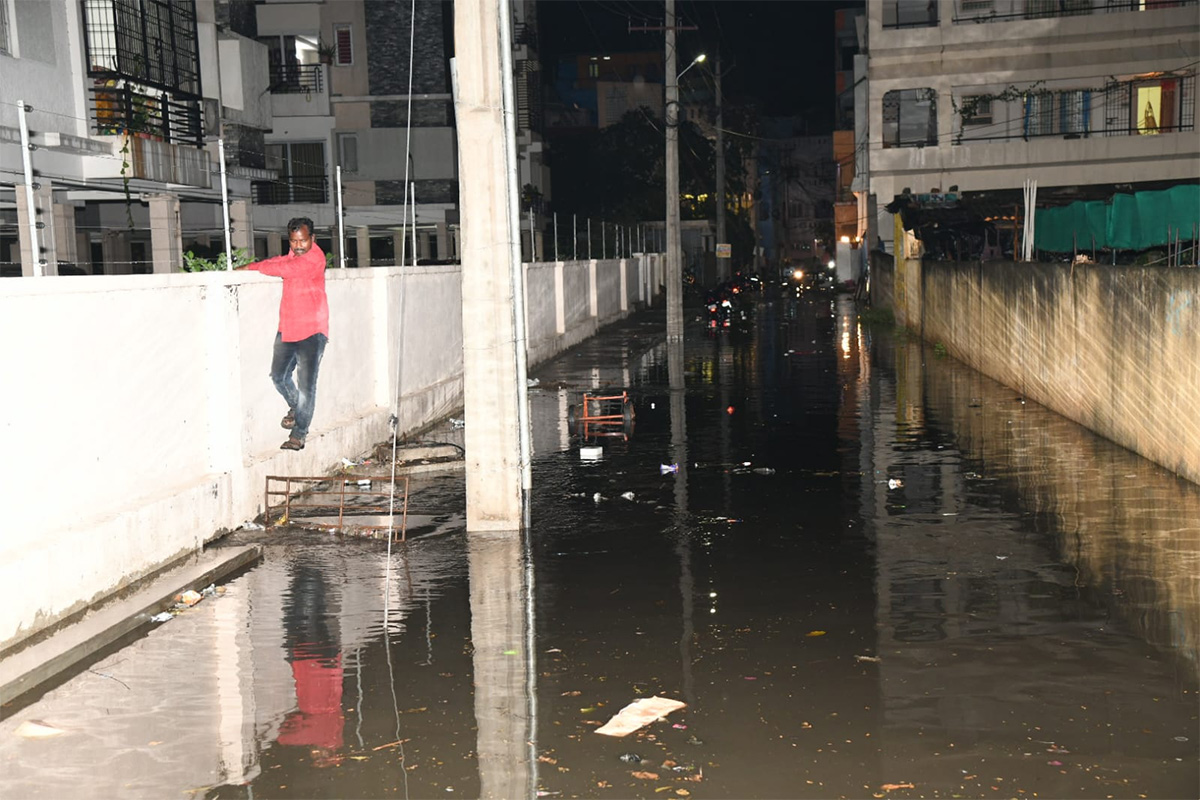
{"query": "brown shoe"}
[(288, 422), (292, 444)]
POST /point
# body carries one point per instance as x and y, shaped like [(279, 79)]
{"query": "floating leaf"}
[(815, 633)]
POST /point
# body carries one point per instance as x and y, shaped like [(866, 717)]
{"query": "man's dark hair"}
[(296, 223)]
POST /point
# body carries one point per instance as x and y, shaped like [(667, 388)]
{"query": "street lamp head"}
[(697, 60)]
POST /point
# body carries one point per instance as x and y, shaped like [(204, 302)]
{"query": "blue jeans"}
[(303, 357)]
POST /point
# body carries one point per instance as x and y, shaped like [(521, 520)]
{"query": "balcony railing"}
[(968, 11), (293, 189), (117, 109), (1112, 110), (296, 78)]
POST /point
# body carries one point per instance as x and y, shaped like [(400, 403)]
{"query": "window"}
[(348, 151), (143, 59), (977, 110), (301, 170), (910, 118), (1075, 111), (910, 14), (1065, 113), (1039, 114), (344, 43)]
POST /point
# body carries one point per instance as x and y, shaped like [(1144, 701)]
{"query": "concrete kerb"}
[(34, 666)]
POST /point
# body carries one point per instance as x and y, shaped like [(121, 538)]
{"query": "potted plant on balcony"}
[(325, 52)]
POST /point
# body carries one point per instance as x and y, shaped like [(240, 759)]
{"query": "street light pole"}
[(674, 276), (722, 263)]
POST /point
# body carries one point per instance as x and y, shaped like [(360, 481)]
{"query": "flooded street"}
[(866, 569)]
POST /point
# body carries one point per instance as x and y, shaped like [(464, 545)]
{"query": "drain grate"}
[(357, 505)]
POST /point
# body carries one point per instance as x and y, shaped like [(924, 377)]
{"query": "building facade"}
[(124, 102), (965, 100)]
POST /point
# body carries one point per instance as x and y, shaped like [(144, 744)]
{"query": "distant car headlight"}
[(798, 274), (832, 265)]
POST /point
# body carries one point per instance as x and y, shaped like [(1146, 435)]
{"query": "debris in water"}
[(631, 758), (189, 598), (37, 729), (895, 483), (872, 659), (638, 714), (165, 616), (815, 633), (627, 495), (763, 471), (666, 469)]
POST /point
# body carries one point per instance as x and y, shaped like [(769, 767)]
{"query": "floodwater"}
[(867, 570)]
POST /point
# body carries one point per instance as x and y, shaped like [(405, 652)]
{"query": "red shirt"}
[(303, 309)]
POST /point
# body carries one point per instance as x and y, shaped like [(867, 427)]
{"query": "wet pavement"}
[(867, 570)]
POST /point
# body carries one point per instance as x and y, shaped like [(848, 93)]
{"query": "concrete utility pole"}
[(492, 299), (674, 276), (723, 265)]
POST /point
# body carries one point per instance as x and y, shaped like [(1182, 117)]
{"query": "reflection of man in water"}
[(316, 657)]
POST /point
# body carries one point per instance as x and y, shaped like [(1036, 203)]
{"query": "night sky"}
[(775, 53)]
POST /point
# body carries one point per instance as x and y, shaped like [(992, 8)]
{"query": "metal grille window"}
[(1039, 114), (344, 45), (143, 58), (910, 118), (977, 110), (302, 177), (1144, 107)]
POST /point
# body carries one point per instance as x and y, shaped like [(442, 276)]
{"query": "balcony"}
[(296, 78), (299, 90), (969, 11), (119, 106), (311, 189)]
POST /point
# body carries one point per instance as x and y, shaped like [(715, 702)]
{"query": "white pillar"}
[(362, 245), (66, 243), (166, 243), (241, 219), (492, 367), (46, 240), (116, 253)]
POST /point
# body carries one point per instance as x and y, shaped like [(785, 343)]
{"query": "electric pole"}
[(674, 274), (723, 263)]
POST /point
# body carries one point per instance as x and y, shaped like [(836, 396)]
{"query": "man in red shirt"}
[(303, 326)]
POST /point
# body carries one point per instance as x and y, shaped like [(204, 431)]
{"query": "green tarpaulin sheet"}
[(1127, 222)]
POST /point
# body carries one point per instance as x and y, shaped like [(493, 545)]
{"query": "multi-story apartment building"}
[(129, 99), (967, 99), (125, 101), (342, 95)]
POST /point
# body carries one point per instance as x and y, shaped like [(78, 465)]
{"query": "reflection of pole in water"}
[(501, 622), (683, 541)]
